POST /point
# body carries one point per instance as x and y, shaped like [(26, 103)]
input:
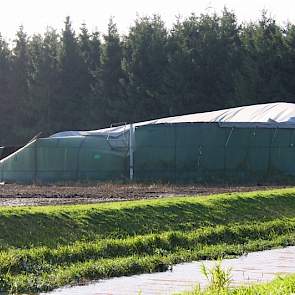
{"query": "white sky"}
[(36, 15)]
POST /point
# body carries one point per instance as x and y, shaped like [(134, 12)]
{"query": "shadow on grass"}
[(65, 225)]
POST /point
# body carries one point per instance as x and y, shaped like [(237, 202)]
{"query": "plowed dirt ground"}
[(34, 195)]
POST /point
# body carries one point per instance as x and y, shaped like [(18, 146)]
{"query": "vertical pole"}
[(175, 156), (78, 175), (131, 160), (35, 162)]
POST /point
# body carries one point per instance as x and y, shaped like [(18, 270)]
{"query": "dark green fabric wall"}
[(65, 159), (191, 152), (187, 152)]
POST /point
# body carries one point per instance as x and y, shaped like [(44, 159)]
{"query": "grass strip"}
[(52, 226), (34, 260), (46, 247), (80, 272)]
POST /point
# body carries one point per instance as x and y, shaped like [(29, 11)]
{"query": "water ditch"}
[(255, 267)]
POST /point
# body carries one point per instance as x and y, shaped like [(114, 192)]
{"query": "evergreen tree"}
[(72, 107), (45, 82), (85, 46), (110, 87), (90, 48), (209, 48), (65, 81), (264, 46), (23, 116), (287, 71), (146, 64), (179, 77), (6, 99), (95, 53)]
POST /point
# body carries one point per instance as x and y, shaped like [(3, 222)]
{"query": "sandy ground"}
[(33, 195)]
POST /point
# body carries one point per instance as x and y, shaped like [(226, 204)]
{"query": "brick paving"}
[(252, 268)]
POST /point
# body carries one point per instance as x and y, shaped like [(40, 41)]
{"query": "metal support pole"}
[(35, 162), (131, 150)]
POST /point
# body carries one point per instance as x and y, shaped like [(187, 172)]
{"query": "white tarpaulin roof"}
[(270, 115)]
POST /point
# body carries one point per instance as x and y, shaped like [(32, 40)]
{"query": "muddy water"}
[(255, 267)]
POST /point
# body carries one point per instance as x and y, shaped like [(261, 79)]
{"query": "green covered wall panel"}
[(258, 159), (65, 159), (236, 158), (213, 136), (162, 135), (205, 151), (183, 152), (19, 167), (154, 155), (237, 138), (283, 160), (260, 137), (281, 138)]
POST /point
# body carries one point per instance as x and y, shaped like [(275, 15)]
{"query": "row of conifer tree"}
[(81, 80)]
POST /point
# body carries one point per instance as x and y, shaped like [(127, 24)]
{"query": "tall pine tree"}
[(23, 115), (6, 99), (146, 64), (110, 84), (72, 107)]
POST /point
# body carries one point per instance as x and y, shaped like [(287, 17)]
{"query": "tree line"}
[(87, 80)]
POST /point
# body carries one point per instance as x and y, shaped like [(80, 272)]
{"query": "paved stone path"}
[(255, 267)]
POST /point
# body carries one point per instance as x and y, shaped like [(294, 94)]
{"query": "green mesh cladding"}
[(182, 152)]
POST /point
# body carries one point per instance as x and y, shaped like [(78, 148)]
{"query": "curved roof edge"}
[(270, 115)]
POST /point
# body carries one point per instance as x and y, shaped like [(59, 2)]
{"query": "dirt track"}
[(21, 195)]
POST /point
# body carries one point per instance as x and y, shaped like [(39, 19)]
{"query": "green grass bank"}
[(42, 248)]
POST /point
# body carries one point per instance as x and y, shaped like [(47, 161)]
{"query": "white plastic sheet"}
[(270, 115)]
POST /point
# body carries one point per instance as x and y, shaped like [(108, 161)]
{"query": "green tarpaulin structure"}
[(240, 144)]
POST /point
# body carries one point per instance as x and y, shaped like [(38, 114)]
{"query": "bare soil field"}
[(35, 195)]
